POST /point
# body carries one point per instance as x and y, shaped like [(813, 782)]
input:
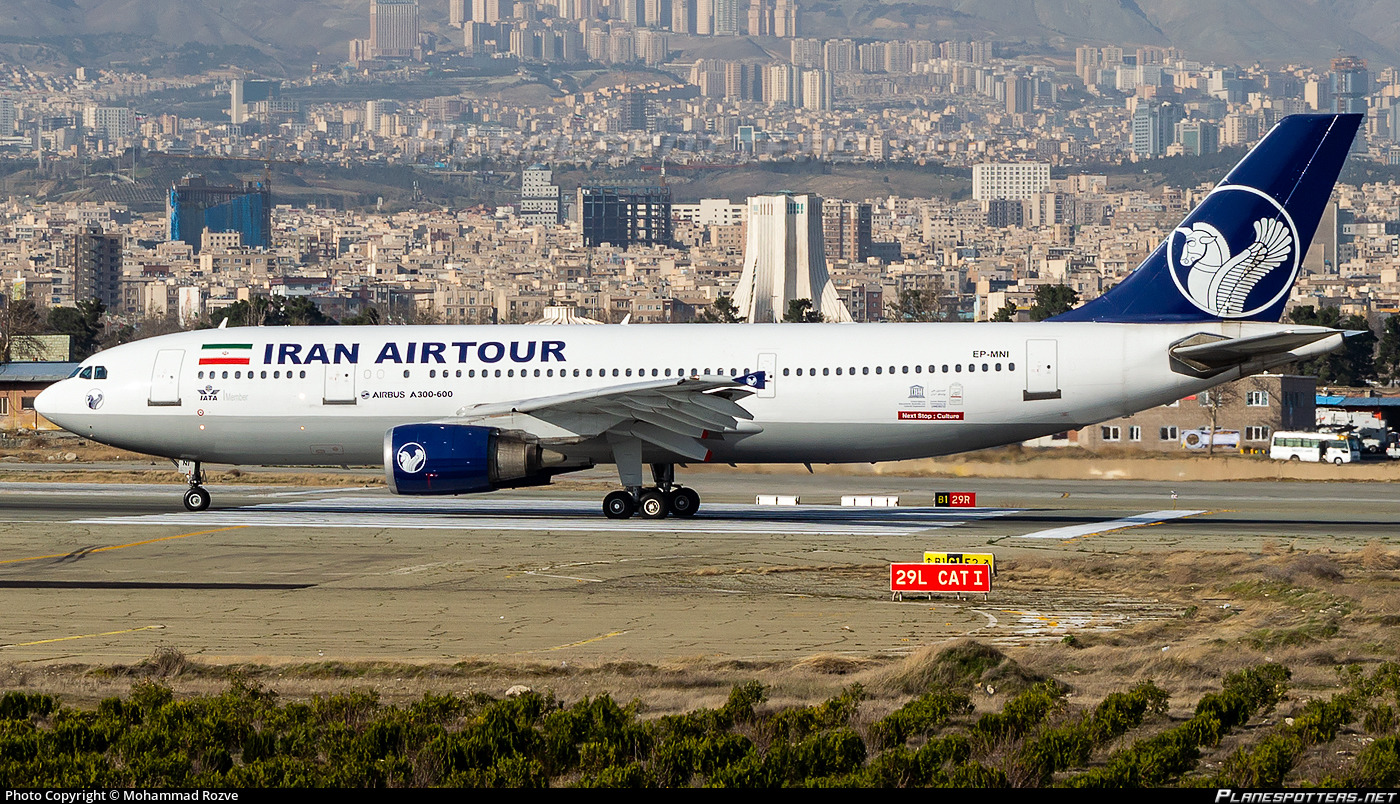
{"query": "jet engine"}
[(462, 459)]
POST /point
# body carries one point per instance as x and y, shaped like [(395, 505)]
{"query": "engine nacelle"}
[(461, 459)]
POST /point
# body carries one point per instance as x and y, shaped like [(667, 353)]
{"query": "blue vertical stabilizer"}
[(1238, 253)]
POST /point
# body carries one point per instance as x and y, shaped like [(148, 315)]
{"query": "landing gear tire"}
[(653, 505), (684, 503), (619, 505), (1337, 461), (197, 499)]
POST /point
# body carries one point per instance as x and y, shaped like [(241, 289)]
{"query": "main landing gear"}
[(196, 497), (653, 502)]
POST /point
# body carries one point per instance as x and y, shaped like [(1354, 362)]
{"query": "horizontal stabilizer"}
[(1219, 354)]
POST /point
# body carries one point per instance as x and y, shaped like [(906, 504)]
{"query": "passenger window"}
[(201, 375), (432, 374), (238, 375), (405, 373), (537, 372), (958, 368), (264, 375), (276, 375), (498, 372), (654, 373), (838, 371), (998, 367), (945, 368), (984, 366), (1010, 366), (918, 369), (590, 372), (511, 373), (303, 374), (629, 372), (226, 375), (904, 369), (879, 369), (971, 367), (864, 369)]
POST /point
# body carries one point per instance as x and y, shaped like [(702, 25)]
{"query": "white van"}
[(1328, 447)]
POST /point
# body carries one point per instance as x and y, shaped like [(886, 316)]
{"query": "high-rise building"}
[(846, 228), (393, 29), (816, 90), (110, 122), (194, 205), (458, 12), (7, 117), (1198, 137), (1016, 181), (1154, 127), (1351, 83), (622, 216), (540, 198), (96, 260), (726, 15), (243, 93), (1019, 94), (785, 260)]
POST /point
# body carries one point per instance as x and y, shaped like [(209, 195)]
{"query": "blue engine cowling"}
[(459, 459)]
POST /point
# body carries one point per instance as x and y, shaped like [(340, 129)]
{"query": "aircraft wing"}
[(674, 414), (1216, 354)]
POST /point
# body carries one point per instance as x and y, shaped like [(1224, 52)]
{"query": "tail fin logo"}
[(1241, 263)]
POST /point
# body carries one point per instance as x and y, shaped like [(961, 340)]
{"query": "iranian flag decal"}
[(225, 354)]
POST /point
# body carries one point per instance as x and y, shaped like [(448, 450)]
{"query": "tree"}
[(1215, 400), (799, 311), (721, 311), (19, 323), (1388, 351), (1051, 300), (82, 324), (369, 316), (1354, 363), (1007, 312), (916, 305)]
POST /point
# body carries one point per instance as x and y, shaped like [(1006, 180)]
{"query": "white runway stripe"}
[(1095, 528), (560, 515)]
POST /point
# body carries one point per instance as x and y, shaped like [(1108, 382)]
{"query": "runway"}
[(101, 573)]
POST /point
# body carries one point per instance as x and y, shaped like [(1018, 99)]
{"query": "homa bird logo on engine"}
[(411, 457)]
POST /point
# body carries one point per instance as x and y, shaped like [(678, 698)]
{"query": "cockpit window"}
[(99, 372), (86, 373)]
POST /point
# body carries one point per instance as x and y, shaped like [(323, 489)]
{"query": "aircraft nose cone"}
[(47, 401)]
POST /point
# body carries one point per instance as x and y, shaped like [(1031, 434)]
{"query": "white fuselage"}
[(835, 392)]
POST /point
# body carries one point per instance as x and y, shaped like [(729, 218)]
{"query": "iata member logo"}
[(411, 457), (1244, 269)]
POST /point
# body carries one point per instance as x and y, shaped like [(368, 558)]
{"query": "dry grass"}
[(1214, 613)]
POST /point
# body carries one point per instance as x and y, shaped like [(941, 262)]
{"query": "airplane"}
[(465, 409)]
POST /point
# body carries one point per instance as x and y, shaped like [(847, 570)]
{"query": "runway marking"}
[(82, 636), (87, 551), (562, 515), (1095, 528), (608, 635)]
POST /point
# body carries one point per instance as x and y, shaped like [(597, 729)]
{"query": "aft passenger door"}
[(165, 378), (1042, 370)]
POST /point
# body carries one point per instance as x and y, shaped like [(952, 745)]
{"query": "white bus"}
[(1335, 448)]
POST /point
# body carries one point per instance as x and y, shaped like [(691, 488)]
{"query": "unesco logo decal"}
[(411, 457), (1240, 272)]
